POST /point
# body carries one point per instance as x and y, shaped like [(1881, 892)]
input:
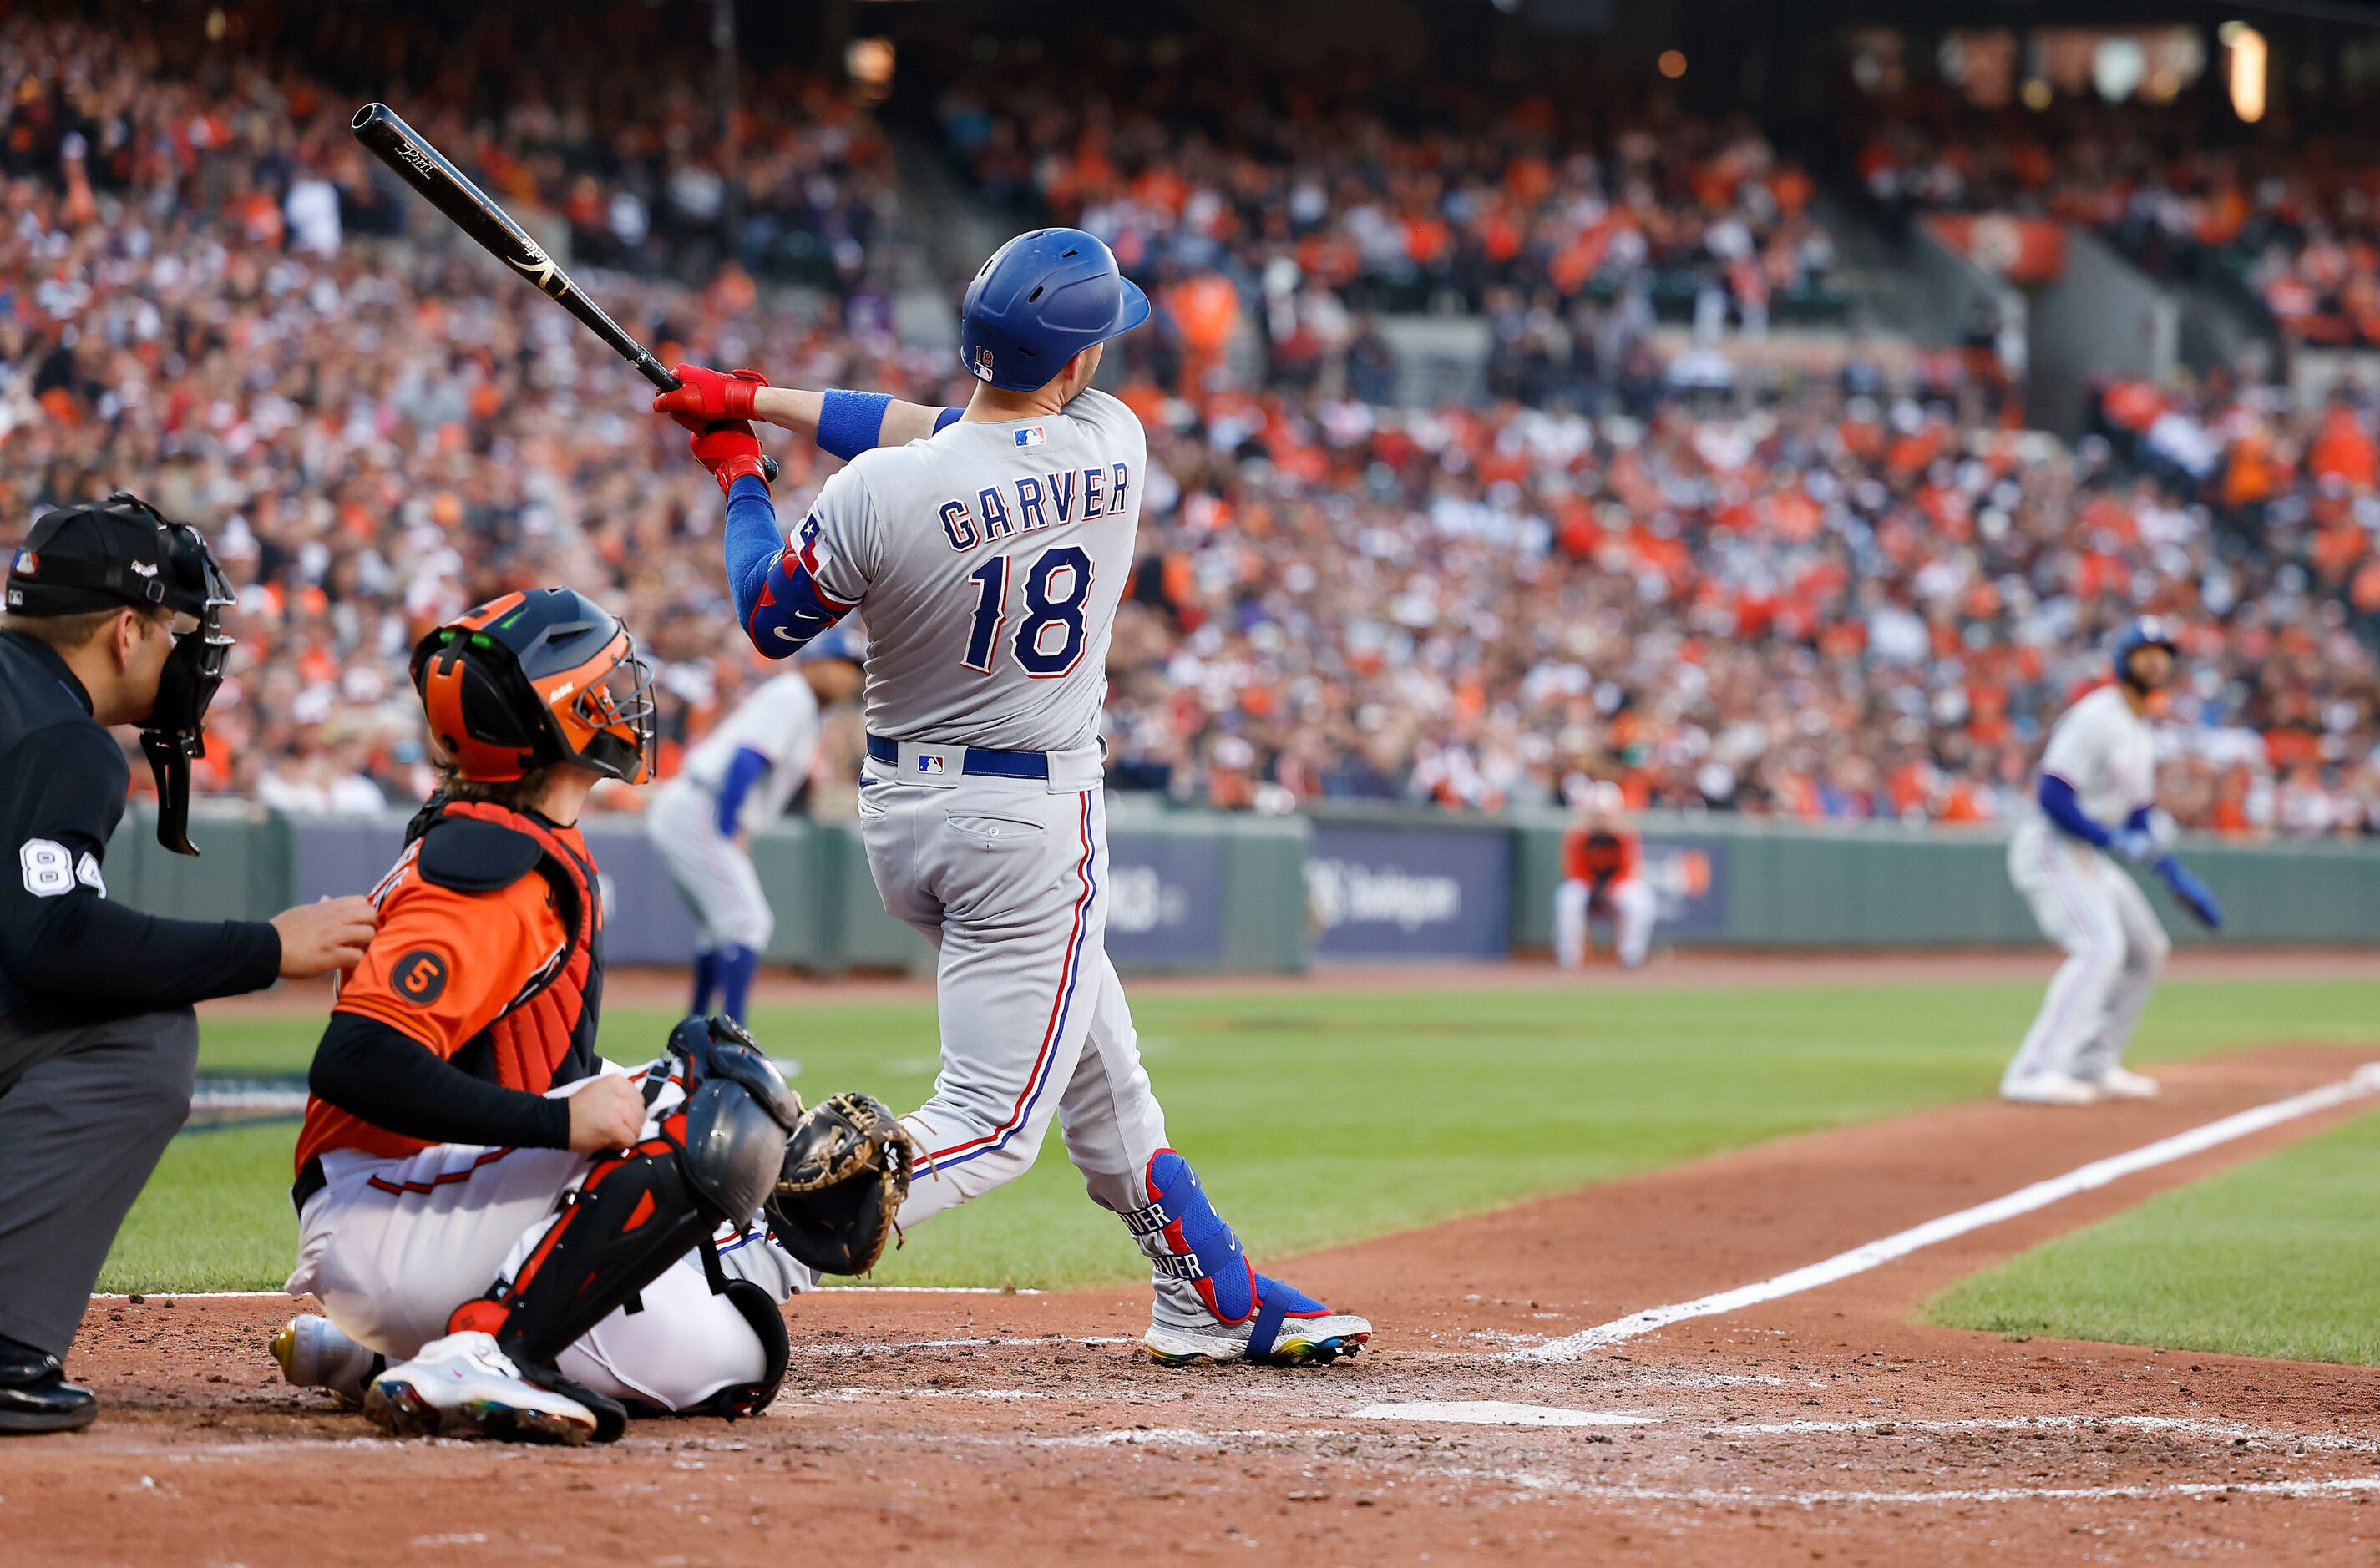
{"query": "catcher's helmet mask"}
[(534, 679)]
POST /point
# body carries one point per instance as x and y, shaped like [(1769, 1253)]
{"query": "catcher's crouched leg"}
[(632, 1217)]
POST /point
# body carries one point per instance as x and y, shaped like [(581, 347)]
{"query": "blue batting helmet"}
[(844, 641), (2144, 631), (1041, 299)]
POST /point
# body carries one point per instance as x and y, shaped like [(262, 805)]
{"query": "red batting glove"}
[(706, 396), (730, 450)]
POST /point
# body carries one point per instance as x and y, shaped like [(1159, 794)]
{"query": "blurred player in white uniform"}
[(990, 549), (735, 778), (1603, 874), (2095, 799)]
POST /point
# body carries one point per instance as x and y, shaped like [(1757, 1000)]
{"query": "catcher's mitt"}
[(846, 1171)]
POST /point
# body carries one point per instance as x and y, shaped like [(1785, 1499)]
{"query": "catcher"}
[(540, 1241)]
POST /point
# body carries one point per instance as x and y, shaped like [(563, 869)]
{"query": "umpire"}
[(114, 616)]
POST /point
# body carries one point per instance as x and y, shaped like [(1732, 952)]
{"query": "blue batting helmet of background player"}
[(2145, 631), (1041, 299)]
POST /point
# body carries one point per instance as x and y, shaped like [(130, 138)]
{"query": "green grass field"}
[(2279, 1257), (1323, 1115)]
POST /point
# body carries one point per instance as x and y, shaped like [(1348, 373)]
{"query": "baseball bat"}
[(449, 190)]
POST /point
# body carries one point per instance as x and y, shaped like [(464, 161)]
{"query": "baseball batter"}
[(989, 548), (1603, 873), (2095, 803), (741, 774)]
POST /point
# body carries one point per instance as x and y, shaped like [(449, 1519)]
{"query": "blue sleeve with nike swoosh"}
[(774, 581)]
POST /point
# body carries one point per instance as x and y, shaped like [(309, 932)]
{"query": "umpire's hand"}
[(329, 934)]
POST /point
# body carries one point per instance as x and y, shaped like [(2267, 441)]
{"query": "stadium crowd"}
[(2293, 221), (1196, 165), (1847, 605)]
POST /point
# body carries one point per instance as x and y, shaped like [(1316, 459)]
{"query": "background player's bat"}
[(450, 190)]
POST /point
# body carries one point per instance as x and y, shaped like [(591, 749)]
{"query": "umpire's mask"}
[(125, 552)]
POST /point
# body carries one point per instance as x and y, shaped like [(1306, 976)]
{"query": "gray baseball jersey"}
[(990, 559)]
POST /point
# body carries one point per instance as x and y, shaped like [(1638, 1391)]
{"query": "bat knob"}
[(768, 469)]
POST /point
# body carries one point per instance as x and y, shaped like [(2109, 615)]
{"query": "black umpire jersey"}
[(68, 954)]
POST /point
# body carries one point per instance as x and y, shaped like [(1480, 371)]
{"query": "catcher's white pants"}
[(392, 1247), (2115, 949), (1009, 878), (1632, 907), (715, 876)]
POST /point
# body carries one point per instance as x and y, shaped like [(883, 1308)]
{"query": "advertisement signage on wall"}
[(1689, 879), (1389, 892), (1165, 901)]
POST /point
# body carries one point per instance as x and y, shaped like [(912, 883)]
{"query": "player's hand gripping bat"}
[(425, 168)]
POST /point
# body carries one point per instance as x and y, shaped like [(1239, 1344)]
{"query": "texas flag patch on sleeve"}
[(1032, 435)]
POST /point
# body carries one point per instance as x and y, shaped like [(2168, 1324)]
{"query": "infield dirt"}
[(958, 1427)]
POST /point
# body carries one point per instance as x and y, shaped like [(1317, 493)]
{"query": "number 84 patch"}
[(50, 869)]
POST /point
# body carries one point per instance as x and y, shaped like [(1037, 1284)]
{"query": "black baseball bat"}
[(450, 190)]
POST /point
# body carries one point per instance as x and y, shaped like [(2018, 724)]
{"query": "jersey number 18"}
[(1057, 591)]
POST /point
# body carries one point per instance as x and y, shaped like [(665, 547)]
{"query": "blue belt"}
[(982, 763)]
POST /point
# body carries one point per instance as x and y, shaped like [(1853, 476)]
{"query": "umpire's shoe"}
[(35, 1395)]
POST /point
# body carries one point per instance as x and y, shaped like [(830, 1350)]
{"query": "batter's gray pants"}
[(85, 1111)]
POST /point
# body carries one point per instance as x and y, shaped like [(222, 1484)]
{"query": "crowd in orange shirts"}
[(1191, 163), (2291, 219), (1847, 606)]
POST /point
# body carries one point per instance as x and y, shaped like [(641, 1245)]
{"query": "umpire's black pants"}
[(85, 1110)]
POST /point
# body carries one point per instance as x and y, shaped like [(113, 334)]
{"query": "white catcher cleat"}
[(2050, 1088), (2121, 1082), (462, 1386), (313, 1353)]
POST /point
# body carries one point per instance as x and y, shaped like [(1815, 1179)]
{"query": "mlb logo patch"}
[(27, 562), (1032, 435), (931, 762), (982, 366)]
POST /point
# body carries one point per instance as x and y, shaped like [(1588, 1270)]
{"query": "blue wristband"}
[(849, 422)]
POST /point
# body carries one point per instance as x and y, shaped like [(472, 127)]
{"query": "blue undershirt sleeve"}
[(2059, 804), (741, 770)]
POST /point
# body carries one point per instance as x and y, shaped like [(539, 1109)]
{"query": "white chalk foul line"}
[(2024, 1200)]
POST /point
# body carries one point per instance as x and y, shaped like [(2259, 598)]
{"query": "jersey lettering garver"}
[(489, 954)]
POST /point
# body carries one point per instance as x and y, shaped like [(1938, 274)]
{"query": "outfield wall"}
[(1201, 891)]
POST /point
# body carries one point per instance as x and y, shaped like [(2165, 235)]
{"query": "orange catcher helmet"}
[(536, 678)]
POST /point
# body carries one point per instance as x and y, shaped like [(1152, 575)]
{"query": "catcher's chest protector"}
[(547, 1035)]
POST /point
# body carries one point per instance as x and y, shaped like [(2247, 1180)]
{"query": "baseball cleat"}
[(2050, 1088), (313, 1353), (462, 1386), (2122, 1083), (1289, 1328)]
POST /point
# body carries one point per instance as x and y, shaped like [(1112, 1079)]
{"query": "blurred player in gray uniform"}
[(2097, 790), (739, 776), (991, 547)]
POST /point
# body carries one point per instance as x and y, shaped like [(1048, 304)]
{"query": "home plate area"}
[(1512, 1405)]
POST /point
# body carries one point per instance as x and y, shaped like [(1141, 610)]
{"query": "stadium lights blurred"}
[(2250, 58), (869, 63), (1672, 63)]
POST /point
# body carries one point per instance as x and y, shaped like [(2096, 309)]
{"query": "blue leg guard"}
[(705, 980), (735, 967), (1188, 1241)]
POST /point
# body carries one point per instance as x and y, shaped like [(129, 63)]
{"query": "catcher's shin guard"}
[(635, 1214)]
